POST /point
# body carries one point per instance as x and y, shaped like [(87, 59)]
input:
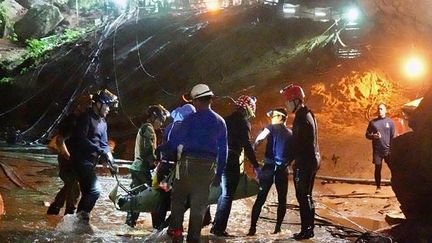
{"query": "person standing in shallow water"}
[(167, 152), (381, 131), (89, 146), (202, 147), (70, 192), (306, 156), (145, 146)]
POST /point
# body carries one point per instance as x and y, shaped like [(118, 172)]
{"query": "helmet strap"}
[(100, 109), (298, 104)]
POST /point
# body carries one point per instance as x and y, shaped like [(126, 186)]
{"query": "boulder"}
[(10, 12), (31, 3), (38, 22)]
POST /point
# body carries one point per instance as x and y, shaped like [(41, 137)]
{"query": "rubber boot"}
[(131, 219), (252, 231), (69, 211), (277, 229), (304, 234), (207, 220), (53, 210), (176, 235)]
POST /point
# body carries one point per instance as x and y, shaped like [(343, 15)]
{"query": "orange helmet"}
[(292, 92)]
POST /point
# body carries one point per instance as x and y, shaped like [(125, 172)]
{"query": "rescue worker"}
[(381, 131), (168, 158), (306, 156), (88, 146), (278, 156), (239, 128), (70, 191), (144, 162), (202, 147)]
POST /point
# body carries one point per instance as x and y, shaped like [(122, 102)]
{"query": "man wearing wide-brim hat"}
[(203, 153)]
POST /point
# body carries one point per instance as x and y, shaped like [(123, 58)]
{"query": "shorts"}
[(378, 158)]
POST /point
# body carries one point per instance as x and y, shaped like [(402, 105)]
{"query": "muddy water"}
[(26, 220)]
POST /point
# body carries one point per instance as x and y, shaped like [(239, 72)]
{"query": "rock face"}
[(11, 11), (1, 206), (410, 17), (411, 167), (38, 22)]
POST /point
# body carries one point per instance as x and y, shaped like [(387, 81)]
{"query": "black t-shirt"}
[(386, 128), (238, 128)]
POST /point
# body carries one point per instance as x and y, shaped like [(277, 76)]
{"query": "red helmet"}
[(292, 92), (248, 103)]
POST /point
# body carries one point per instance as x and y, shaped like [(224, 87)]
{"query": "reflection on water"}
[(26, 220)]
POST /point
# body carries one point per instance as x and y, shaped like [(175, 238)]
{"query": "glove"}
[(258, 172), (216, 181)]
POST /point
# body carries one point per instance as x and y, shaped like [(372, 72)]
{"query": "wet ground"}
[(355, 208)]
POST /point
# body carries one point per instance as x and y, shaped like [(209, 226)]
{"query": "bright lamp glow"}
[(352, 14), (414, 67), (213, 5), (320, 13), (289, 10)]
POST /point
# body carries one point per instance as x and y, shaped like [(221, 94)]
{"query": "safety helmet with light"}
[(105, 97), (293, 92), (277, 112), (200, 90), (158, 111), (248, 103)]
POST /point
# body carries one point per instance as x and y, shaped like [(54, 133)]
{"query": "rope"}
[(141, 65), (121, 185), (138, 48), (349, 220), (51, 104)]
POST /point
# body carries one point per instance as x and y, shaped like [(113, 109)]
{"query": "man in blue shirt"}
[(202, 146), (381, 131), (167, 151), (278, 155), (88, 146)]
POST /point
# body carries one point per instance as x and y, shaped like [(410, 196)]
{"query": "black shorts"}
[(378, 158)]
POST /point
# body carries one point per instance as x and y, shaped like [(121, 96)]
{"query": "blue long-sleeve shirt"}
[(204, 135), (89, 137), (168, 148)]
